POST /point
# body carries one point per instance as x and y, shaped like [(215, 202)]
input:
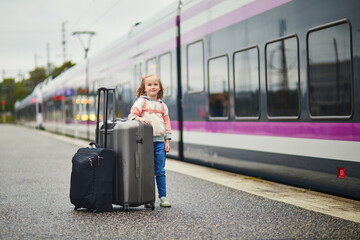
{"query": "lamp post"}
[(86, 49)]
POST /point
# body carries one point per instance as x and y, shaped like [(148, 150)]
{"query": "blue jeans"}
[(159, 165)]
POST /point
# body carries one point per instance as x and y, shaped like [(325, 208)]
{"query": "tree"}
[(6, 94), (11, 91), (36, 76), (20, 91), (57, 71)]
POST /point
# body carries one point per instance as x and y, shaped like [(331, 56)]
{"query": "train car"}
[(271, 89), (28, 111), (265, 88)]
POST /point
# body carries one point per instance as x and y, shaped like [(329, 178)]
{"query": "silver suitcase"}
[(134, 181)]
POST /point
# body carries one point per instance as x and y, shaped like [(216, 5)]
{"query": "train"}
[(269, 89)]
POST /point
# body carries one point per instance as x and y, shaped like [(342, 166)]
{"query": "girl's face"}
[(152, 87)]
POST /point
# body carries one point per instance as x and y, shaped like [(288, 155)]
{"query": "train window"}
[(165, 70), (247, 83), (138, 73), (195, 67), (218, 87), (151, 66), (330, 73), (124, 99), (282, 78)]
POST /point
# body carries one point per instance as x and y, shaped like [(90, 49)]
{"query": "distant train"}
[(265, 88)]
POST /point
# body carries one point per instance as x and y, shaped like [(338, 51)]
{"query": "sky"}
[(29, 27)]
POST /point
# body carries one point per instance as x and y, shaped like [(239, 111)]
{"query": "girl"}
[(150, 109)]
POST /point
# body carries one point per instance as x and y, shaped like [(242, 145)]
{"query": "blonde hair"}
[(141, 89)]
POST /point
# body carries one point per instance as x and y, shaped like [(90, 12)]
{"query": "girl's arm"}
[(167, 128), (167, 122), (143, 120), (135, 111), (167, 145)]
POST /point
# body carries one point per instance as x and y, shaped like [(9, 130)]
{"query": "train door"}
[(62, 99), (76, 112), (38, 109), (39, 117)]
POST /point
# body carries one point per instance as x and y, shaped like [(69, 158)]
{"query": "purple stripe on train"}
[(235, 16), (198, 8), (163, 47), (326, 131), (240, 14), (153, 32)]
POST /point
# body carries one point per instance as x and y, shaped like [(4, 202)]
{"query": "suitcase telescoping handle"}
[(105, 108)]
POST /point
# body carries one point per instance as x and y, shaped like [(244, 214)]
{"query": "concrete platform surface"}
[(35, 168)]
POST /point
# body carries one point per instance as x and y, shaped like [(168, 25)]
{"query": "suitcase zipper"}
[(91, 158), (99, 160)]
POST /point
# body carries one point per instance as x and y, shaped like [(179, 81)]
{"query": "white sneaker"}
[(164, 202)]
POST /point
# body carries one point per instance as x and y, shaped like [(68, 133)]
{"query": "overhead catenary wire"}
[(75, 27), (106, 11)]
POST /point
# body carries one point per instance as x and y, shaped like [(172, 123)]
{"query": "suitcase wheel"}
[(152, 206), (126, 207)]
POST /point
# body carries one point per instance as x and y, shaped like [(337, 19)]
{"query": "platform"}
[(207, 203)]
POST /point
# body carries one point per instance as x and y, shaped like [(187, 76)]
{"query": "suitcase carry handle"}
[(93, 145), (106, 105)]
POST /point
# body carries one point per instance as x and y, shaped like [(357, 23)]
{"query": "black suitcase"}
[(92, 179), (134, 181), (92, 175)]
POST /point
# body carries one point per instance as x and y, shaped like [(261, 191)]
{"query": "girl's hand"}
[(143, 120), (167, 145)]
